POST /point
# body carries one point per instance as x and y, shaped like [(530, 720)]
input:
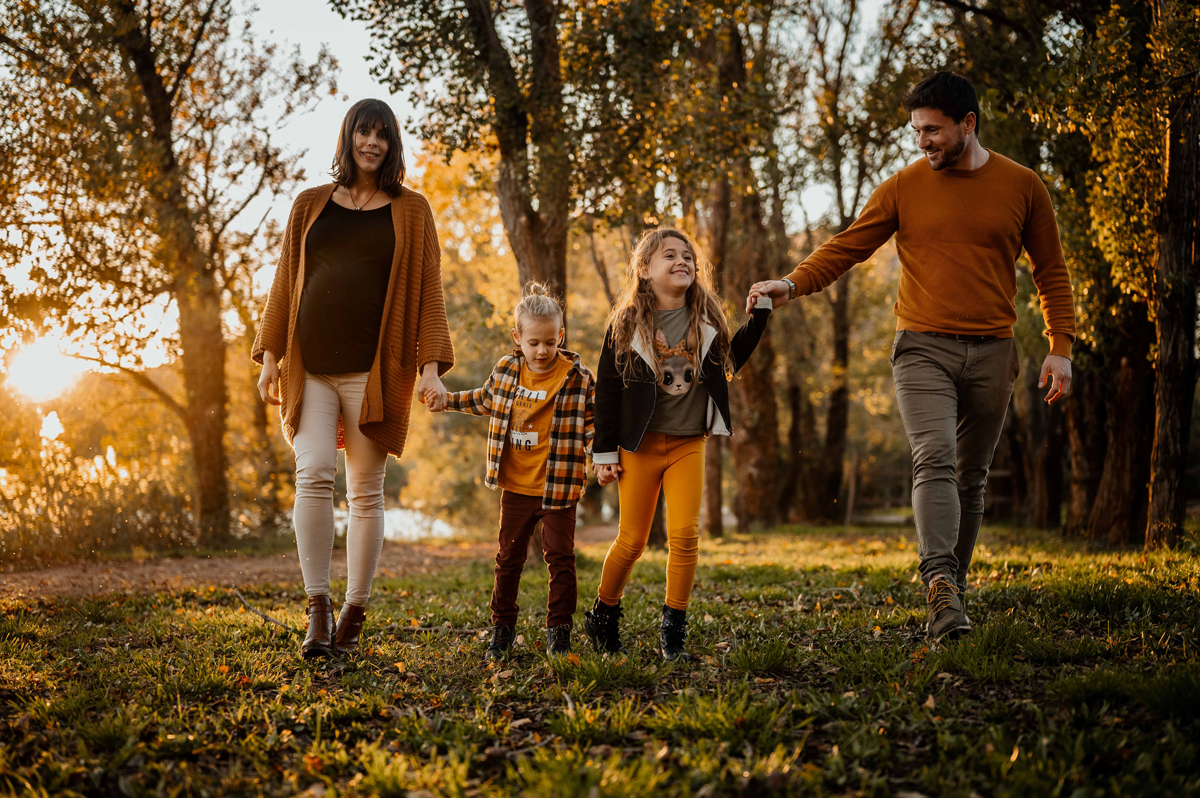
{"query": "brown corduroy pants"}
[(519, 514)]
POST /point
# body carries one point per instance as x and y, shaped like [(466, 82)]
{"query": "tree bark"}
[(203, 345), (713, 522), (1085, 434), (1175, 326), (1118, 515), (838, 413), (1042, 449), (755, 443)]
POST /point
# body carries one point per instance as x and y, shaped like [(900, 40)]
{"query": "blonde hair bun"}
[(537, 304)]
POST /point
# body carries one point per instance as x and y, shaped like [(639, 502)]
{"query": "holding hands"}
[(778, 291), (430, 389), (606, 473)]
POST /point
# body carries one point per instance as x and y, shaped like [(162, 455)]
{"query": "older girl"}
[(662, 387), (355, 313)]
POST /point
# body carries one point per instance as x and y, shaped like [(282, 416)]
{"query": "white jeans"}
[(326, 396)]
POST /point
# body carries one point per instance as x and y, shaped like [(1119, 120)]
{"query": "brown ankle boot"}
[(349, 627), (319, 640)]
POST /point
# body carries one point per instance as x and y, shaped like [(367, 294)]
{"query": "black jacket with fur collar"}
[(624, 406)]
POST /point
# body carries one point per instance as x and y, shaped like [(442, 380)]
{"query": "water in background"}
[(401, 524)]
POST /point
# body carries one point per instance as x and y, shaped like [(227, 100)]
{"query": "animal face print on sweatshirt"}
[(678, 365)]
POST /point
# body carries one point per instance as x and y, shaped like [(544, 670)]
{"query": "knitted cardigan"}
[(414, 330)]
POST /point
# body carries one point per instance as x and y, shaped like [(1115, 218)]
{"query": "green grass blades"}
[(812, 677)]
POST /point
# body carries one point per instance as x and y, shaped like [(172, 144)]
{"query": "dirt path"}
[(161, 573), (154, 574)]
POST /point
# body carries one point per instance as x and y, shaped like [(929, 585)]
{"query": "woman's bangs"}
[(376, 115)]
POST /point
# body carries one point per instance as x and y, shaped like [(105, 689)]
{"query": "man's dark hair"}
[(951, 94), (365, 115)]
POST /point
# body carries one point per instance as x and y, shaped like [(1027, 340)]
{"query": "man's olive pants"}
[(952, 396)]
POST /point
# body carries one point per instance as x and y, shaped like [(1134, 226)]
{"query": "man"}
[(961, 216)]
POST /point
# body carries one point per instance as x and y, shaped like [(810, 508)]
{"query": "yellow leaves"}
[(223, 669), (401, 667)]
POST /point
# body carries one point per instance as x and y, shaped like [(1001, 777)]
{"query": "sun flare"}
[(41, 371)]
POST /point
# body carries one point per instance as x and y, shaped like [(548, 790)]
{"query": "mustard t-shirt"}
[(523, 461)]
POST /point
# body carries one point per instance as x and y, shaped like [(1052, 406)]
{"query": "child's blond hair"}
[(538, 303)]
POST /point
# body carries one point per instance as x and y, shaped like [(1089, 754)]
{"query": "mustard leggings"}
[(676, 465)]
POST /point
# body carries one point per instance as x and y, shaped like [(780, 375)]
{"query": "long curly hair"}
[(633, 312)]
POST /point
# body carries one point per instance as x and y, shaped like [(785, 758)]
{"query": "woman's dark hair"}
[(951, 94), (365, 115)]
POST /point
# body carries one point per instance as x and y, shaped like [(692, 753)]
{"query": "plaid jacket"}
[(570, 432)]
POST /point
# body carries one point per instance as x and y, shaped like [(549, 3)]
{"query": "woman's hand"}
[(779, 292), (607, 473), (430, 389), (268, 381)]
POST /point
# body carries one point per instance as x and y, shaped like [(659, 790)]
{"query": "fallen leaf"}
[(223, 669), (504, 674), (708, 618), (401, 667), (929, 702), (763, 680), (519, 722)]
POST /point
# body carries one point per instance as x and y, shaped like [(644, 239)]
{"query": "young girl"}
[(540, 399), (662, 387)]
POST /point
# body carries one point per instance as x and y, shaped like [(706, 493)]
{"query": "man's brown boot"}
[(349, 627), (319, 640)]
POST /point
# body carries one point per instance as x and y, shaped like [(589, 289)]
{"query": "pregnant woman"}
[(355, 313)]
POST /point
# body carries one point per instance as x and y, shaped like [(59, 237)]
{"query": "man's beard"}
[(950, 157)]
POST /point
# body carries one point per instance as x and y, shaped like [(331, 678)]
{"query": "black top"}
[(348, 261), (625, 402)]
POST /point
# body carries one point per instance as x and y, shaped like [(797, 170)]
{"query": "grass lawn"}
[(1082, 677)]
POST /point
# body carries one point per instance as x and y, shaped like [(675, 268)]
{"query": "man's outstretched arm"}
[(871, 230)]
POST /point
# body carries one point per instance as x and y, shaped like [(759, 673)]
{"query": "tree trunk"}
[(266, 461), (1118, 515), (1085, 433), (838, 413), (1175, 322), (203, 345), (1042, 449), (718, 234)]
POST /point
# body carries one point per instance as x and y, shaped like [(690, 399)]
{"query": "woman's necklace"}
[(357, 206)]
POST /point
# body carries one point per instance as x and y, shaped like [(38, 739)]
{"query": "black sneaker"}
[(502, 641), (558, 639), (674, 634), (601, 623), (946, 617)]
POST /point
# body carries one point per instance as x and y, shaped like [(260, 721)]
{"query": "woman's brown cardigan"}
[(414, 330)]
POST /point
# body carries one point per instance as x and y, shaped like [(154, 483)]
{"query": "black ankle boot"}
[(674, 634), (502, 641), (602, 624), (558, 640)]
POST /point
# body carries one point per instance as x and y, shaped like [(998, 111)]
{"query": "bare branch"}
[(186, 64), (143, 379)]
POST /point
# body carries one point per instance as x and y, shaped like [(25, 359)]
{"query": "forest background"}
[(143, 190)]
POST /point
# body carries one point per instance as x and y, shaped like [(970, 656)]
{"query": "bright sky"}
[(309, 24)]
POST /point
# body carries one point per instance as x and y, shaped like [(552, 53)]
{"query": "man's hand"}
[(430, 389), (1057, 369), (777, 290), (268, 381), (607, 473)]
